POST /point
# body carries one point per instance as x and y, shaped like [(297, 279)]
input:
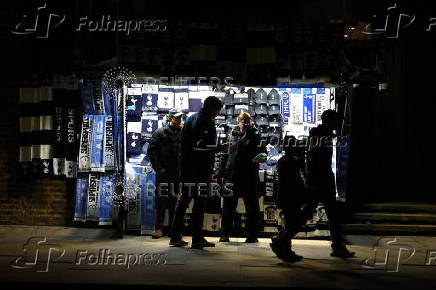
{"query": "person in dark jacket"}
[(320, 179), (164, 155), (320, 185), (290, 197), (197, 159), (237, 167)]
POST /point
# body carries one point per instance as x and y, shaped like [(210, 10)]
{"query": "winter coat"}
[(164, 151), (236, 165)]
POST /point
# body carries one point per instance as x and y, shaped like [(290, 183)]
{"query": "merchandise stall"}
[(118, 124)]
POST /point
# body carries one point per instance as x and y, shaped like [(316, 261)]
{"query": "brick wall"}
[(36, 202)]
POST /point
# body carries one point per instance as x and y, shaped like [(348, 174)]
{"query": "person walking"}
[(320, 183)]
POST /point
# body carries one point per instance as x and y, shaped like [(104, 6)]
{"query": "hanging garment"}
[(134, 106), (181, 99), (134, 145), (106, 199), (58, 147), (150, 123), (149, 102), (82, 185), (93, 204), (98, 131), (98, 98), (69, 134), (85, 143), (42, 131), (165, 100), (109, 152)]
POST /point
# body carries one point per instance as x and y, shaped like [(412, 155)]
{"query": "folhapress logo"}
[(393, 256), (394, 20), (40, 24), (37, 255)]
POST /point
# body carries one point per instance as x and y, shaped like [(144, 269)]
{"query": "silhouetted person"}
[(197, 160), (290, 197), (320, 182)]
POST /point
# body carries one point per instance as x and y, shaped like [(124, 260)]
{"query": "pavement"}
[(92, 258)]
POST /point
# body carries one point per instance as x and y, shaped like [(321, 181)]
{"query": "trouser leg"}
[(228, 212), (179, 216), (332, 213), (198, 217), (252, 209), (172, 203), (161, 205)]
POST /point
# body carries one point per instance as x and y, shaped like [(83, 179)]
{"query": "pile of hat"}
[(263, 107), (267, 109)]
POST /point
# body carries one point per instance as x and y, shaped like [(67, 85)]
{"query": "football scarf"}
[(106, 199), (98, 131), (85, 144), (81, 198), (109, 157), (92, 209), (148, 205)]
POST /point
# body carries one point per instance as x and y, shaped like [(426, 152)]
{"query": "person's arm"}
[(153, 151), (206, 138), (222, 164)]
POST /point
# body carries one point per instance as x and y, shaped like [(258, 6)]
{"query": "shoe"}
[(291, 257), (202, 244), (287, 256), (275, 248), (178, 243), (224, 239), (251, 240), (157, 234), (342, 253)]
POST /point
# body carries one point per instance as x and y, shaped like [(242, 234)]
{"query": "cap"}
[(261, 120), (274, 121), (175, 113), (228, 99), (261, 109), (263, 131), (243, 108), (220, 120), (273, 97), (273, 110), (251, 97), (240, 98), (230, 110), (275, 132), (232, 122), (261, 97)]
